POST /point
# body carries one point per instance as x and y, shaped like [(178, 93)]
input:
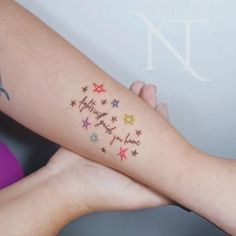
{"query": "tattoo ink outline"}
[(98, 88), (2, 90), (139, 132), (73, 103), (122, 153), (113, 119), (85, 89), (129, 119), (103, 102), (86, 123), (94, 138), (134, 153), (115, 103)]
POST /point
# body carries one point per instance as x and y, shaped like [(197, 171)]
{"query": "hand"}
[(101, 188)]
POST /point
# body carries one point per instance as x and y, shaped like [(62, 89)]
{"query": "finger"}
[(148, 94), (163, 110), (136, 87)]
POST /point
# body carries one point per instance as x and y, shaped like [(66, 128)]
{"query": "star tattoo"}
[(138, 132), (86, 123), (134, 153), (3, 91), (103, 149), (94, 138), (98, 88), (85, 89), (114, 119), (122, 153), (104, 102), (129, 119), (73, 103), (115, 103)]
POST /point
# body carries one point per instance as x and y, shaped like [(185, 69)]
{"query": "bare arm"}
[(65, 189), (35, 206), (57, 92)]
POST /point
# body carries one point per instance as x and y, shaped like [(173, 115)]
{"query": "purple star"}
[(86, 123), (115, 103)]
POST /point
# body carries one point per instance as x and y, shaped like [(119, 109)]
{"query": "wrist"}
[(174, 170), (71, 204), (183, 175)]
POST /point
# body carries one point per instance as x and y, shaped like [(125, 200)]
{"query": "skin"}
[(43, 73), (56, 204)]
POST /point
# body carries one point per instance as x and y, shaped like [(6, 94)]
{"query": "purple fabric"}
[(10, 169)]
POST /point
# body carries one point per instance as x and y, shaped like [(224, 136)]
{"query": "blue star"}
[(94, 138), (115, 103)]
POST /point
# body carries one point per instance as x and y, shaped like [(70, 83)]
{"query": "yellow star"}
[(129, 119)]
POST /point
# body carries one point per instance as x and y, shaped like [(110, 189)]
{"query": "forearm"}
[(36, 205), (43, 73), (209, 190), (45, 77)]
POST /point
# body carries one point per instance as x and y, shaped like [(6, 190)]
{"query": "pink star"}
[(122, 153)]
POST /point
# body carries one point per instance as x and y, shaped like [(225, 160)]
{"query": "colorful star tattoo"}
[(134, 153), (85, 89), (104, 102), (114, 119), (94, 138), (108, 121), (86, 123), (98, 88), (129, 119), (138, 132), (122, 153), (73, 103), (115, 103)]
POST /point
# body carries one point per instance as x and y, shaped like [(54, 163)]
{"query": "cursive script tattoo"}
[(105, 126), (126, 140)]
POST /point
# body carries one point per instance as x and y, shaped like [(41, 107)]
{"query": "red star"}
[(98, 88), (122, 153)]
